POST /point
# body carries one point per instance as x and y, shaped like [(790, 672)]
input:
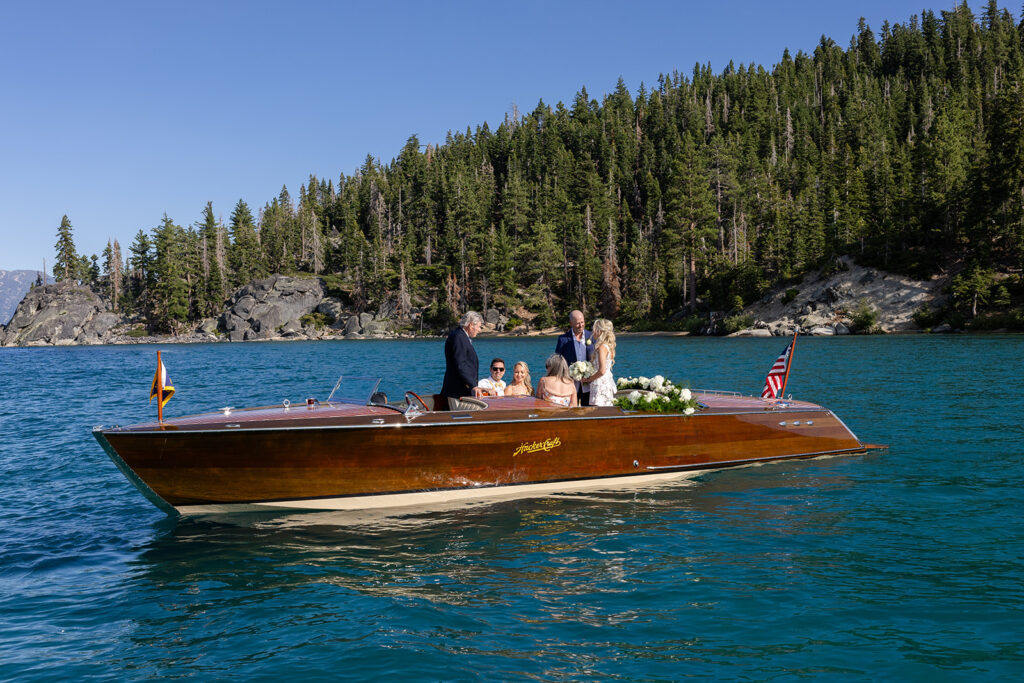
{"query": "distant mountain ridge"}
[(14, 284)]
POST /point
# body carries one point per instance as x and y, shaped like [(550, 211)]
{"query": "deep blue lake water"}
[(905, 564)]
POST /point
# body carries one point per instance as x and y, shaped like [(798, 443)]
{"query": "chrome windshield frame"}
[(366, 401)]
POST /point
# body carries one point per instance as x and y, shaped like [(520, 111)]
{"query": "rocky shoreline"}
[(283, 308), (278, 308), (825, 304)]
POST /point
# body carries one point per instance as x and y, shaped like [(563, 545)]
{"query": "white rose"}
[(685, 394), (621, 382), (634, 396), (688, 411), (649, 397), (643, 380)]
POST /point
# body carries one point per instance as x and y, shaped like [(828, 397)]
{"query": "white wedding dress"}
[(602, 390)]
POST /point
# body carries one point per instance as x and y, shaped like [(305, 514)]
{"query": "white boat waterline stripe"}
[(389, 500)]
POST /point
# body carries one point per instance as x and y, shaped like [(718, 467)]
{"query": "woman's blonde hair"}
[(557, 367), (604, 333), (526, 369)]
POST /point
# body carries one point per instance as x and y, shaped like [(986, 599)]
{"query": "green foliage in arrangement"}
[(698, 192), (654, 395)]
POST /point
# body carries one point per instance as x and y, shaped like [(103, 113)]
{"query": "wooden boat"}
[(351, 455)]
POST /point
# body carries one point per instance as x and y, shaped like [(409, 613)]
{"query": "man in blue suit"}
[(462, 368), (576, 345)]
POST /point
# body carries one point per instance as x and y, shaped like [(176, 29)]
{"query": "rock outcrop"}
[(263, 309), (14, 284), (827, 305), (60, 314), (282, 307)]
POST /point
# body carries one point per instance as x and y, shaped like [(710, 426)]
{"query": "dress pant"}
[(583, 397)]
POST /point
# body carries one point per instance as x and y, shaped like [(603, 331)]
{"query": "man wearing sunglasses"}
[(494, 385)]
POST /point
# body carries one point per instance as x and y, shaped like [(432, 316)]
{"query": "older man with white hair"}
[(462, 367)]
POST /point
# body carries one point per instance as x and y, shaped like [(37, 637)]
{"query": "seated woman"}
[(557, 386), (520, 385)]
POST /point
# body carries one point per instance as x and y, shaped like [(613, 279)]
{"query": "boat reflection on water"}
[(477, 553)]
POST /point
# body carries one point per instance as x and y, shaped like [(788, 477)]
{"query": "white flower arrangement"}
[(581, 369), (655, 394)]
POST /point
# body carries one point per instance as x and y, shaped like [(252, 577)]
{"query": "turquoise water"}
[(901, 564)]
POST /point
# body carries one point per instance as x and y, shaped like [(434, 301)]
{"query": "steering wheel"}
[(414, 395)]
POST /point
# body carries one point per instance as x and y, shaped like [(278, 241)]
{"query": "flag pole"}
[(789, 363), (160, 389)]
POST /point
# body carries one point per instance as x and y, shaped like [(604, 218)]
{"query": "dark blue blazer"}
[(461, 366), (566, 347)]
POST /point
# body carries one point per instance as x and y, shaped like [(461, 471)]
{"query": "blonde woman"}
[(520, 385), (602, 384), (557, 386)]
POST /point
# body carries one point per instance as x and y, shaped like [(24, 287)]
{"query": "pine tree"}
[(245, 256), (66, 266), (212, 285), (171, 302), (611, 293), (689, 216), (112, 268), (141, 277)]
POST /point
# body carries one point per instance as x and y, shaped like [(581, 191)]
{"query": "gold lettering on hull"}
[(534, 446)]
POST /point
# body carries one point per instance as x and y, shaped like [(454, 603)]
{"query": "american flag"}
[(775, 381)]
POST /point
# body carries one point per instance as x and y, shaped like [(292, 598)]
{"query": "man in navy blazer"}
[(576, 345), (462, 368)]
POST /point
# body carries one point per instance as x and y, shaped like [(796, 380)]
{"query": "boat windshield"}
[(357, 390)]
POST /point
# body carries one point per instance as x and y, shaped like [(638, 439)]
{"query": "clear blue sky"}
[(117, 112)]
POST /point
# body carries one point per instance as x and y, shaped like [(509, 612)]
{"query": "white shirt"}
[(492, 387)]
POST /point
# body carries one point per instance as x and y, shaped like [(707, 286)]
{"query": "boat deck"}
[(497, 409)]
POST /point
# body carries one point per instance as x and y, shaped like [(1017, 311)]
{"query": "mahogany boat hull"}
[(380, 458)]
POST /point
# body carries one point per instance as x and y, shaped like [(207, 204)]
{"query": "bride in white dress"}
[(602, 384)]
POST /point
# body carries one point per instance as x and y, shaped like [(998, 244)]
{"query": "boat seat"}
[(465, 403)]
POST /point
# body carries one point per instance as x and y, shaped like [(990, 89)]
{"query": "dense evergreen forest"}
[(905, 150)]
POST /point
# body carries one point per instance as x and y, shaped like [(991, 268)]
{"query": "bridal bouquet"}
[(581, 369), (655, 395)]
